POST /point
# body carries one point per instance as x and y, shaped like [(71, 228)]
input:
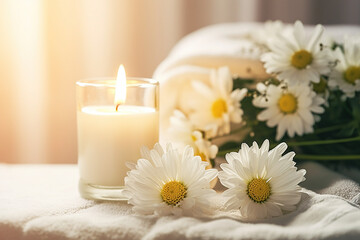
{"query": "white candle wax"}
[(108, 138)]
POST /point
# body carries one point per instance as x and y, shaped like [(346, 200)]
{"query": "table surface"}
[(42, 202)]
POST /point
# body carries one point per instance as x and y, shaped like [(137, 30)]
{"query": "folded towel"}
[(218, 45), (42, 202), (323, 180)]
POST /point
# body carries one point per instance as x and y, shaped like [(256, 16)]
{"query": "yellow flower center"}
[(320, 87), (202, 156), (193, 138), (352, 74), (218, 108), (258, 190), (288, 103), (173, 192), (301, 59)]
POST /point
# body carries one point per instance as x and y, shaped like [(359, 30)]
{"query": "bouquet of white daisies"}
[(262, 183), (311, 101)]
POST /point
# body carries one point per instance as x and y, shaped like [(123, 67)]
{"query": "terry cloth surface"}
[(42, 202)]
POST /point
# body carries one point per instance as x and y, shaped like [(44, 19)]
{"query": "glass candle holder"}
[(110, 135)]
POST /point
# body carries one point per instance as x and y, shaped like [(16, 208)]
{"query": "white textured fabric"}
[(42, 202)]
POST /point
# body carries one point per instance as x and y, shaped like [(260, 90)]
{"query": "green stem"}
[(327, 157), (323, 142), (331, 128), (230, 133), (222, 153), (248, 125), (305, 143)]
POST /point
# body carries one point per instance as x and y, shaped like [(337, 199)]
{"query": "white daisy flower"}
[(182, 133), (261, 183), (216, 106), (170, 182), (291, 109), (296, 58), (346, 75)]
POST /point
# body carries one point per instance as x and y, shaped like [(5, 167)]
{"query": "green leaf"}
[(229, 145), (242, 82), (348, 130), (337, 45)]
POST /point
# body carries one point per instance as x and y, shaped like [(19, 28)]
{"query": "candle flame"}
[(120, 90)]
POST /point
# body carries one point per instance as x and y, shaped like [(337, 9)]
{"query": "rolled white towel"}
[(218, 45), (325, 181)]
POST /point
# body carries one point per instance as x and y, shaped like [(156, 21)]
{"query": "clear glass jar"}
[(108, 136)]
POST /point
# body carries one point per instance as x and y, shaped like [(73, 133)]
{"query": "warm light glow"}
[(120, 91)]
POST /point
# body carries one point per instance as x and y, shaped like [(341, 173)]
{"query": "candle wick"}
[(117, 107)]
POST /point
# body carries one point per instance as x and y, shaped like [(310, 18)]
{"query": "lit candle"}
[(109, 135)]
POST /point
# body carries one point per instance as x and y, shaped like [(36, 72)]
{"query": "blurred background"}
[(46, 46)]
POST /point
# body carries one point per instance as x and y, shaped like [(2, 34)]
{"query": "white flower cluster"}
[(261, 183), (305, 69), (207, 111)]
